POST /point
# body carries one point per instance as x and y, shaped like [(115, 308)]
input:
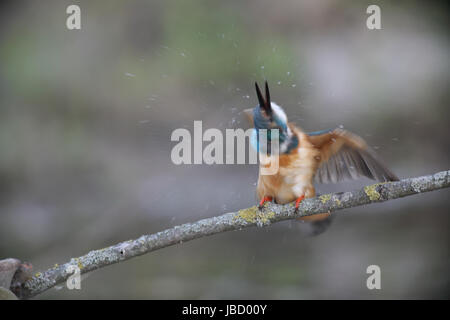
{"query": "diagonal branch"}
[(245, 218)]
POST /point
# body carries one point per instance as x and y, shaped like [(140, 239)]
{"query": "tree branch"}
[(245, 218)]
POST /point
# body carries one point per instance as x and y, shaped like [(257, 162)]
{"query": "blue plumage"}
[(268, 115), (318, 133), (287, 141)]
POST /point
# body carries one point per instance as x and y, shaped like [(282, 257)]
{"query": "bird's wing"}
[(346, 155)]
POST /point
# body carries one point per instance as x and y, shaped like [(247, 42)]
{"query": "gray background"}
[(86, 118)]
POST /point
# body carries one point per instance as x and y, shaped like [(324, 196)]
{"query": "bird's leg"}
[(298, 201), (263, 201)]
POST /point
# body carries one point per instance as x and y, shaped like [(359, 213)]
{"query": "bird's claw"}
[(297, 203), (263, 201)]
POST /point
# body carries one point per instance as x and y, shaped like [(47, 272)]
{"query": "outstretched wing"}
[(345, 155)]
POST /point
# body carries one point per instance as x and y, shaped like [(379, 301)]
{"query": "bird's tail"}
[(316, 224), (320, 226)]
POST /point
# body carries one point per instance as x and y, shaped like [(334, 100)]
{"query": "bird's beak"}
[(264, 104)]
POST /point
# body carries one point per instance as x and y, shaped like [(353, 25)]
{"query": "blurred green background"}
[(86, 118)]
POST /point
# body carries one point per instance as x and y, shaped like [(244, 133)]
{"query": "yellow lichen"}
[(338, 201), (37, 274), (265, 217), (248, 215), (324, 198), (253, 215), (372, 192), (80, 265)]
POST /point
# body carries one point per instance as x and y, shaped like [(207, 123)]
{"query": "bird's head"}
[(268, 115)]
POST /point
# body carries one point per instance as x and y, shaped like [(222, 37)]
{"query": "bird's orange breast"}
[(295, 174)]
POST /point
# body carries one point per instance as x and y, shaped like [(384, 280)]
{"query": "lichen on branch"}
[(244, 218)]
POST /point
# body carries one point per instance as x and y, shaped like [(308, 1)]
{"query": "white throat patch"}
[(279, 112)]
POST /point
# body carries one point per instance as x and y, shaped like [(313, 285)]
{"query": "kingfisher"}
[(323, 156)]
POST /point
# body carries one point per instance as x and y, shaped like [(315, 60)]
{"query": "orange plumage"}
[(326, 156)]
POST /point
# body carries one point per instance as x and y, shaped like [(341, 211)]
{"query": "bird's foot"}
[(263, 201), (297, 202)]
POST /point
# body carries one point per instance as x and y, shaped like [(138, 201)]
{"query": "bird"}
[(304, 159)]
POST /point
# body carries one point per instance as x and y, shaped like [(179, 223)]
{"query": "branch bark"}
[(245, 218)]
